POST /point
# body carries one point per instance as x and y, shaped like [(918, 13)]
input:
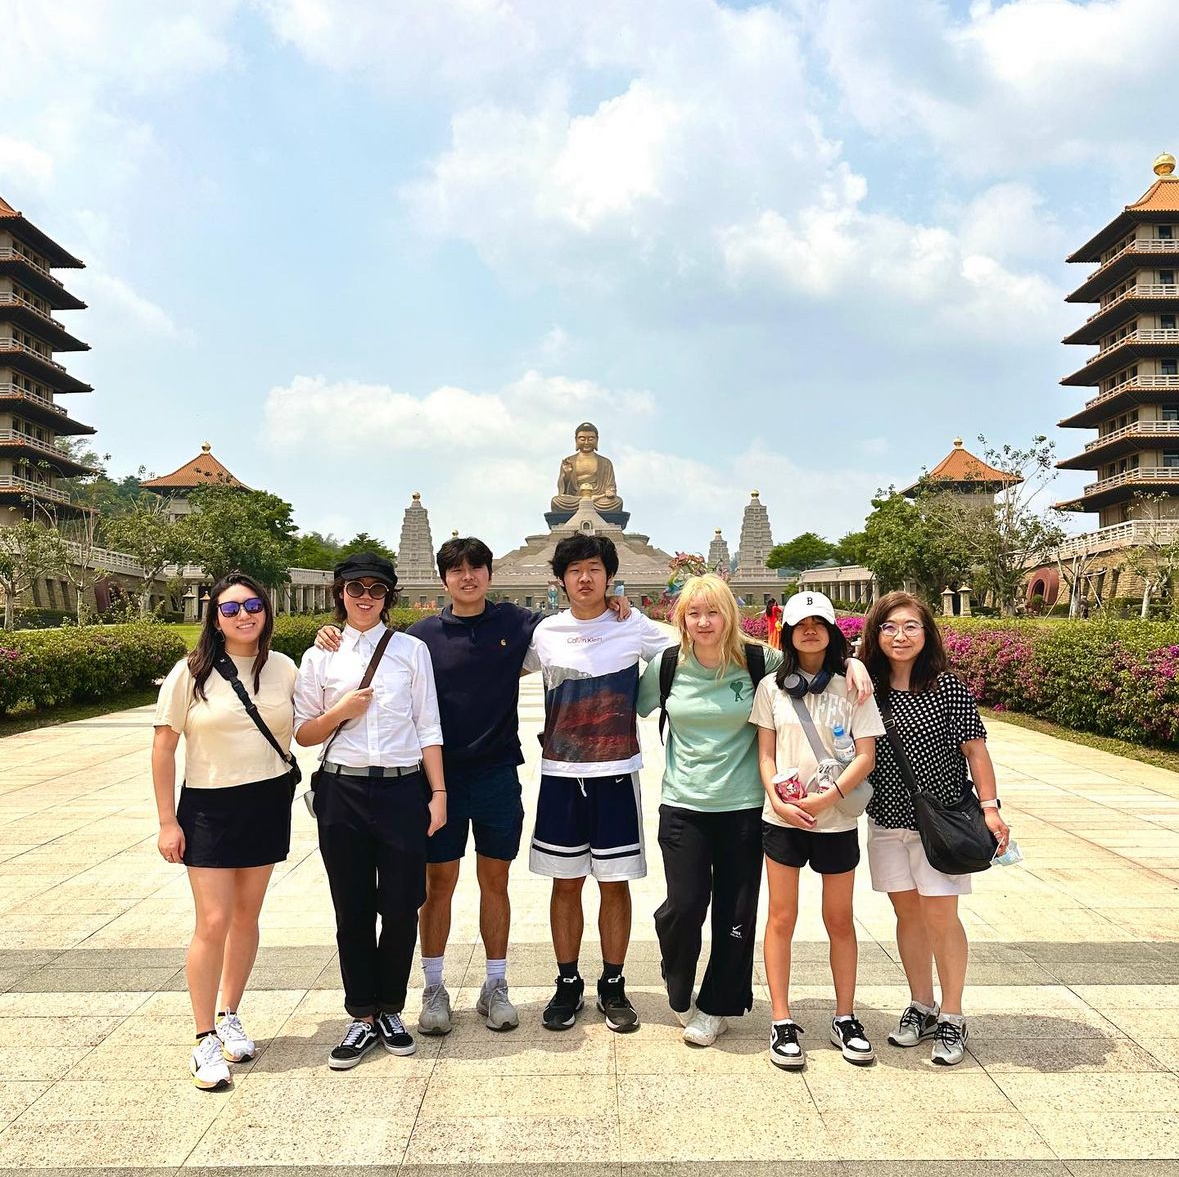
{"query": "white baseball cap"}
[(808, 604)]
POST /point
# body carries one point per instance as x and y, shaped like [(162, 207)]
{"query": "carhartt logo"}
[(735, 931)]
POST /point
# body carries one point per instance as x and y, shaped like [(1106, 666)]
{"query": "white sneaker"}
[(210, 1072), (917, 1023), (704, 1029), (435, 1017), (236, 1045), (494, 1007), (950, 1036), (685, 1016)]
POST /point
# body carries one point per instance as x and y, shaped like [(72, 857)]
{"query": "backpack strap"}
[(755, 660), (667, 665)]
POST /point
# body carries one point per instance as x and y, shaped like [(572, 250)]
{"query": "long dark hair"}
[(928, 666), (211, 643), (834, 656)]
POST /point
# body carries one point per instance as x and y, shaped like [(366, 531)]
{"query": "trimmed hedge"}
[(48, 668), (294, 633)]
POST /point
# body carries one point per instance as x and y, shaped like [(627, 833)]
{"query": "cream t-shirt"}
[(222, 747)]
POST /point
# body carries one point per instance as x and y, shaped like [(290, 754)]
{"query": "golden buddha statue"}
[(586, 474)]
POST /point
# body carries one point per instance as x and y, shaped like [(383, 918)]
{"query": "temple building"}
[(31, 380), (203, 470), (718, 552), (964, 474), (1135, 371), (415, 553)]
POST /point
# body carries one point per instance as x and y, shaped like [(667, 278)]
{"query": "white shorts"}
[(897, 862)]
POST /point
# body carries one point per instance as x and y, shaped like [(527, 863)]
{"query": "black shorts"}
[(487, 801), (242, 825), (828, 854)]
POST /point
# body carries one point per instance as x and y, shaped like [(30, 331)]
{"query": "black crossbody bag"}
[(955, 837), (228, 671)]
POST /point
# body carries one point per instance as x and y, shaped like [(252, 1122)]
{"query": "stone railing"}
[(1142, 290), (1138, 383), (1142, 474), (33, 489), (8, 389), (16, 345), (1119, 535), (1142, 429)]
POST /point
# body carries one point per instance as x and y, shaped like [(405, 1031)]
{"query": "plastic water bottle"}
[(843, 745), (1010, 856)]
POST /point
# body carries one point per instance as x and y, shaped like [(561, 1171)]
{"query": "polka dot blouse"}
[(932, 725)]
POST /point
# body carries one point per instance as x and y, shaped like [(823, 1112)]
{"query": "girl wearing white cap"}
[(807, 722)]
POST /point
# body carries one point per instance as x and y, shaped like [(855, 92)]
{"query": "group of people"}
[(770, 754)]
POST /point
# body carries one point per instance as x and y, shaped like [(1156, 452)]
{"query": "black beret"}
[(361, 564)]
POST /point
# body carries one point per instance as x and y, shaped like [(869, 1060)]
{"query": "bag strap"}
[(898, 747), (228, 671), (755, 661), (808, 726), (369, 672), (667, 665)]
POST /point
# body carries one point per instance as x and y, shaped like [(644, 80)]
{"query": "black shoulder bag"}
[(755, 658), (955, 837), (228, 671)]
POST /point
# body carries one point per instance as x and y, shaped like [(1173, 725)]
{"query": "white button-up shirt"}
[(402, 718)]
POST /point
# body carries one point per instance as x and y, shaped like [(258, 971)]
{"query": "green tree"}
[(363, 542), (1154, 556), (28, 550), (233, 529), (145, 532), (313, 550), (901, 547), (850, 549), (802, 552)]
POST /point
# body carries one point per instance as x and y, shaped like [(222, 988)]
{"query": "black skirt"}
[(243, 825)]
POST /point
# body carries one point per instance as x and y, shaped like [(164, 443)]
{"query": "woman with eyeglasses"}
[(233, 820), (944, 739), (380, 794)]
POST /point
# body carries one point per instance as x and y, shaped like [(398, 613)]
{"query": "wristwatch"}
[(993, 803)]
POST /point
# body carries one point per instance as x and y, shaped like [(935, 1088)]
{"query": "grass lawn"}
[(1159, 757), (190, 634)]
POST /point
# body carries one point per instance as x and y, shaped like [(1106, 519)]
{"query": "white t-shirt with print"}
[(774, 709), (591, 683)]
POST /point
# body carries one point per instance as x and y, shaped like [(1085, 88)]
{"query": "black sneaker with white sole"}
[(561, 1011), (358, 1040), (621, 1016), (785, 1049), (848, 1034), (395, 1038)]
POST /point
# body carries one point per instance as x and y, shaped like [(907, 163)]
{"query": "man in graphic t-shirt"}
[(588, 815)]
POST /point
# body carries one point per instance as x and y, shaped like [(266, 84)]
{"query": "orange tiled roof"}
[(6, 209), (961, 467), (1161, 197), (203, 470)]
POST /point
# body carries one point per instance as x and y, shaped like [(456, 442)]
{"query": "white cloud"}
[(118, 304), (25, 165)]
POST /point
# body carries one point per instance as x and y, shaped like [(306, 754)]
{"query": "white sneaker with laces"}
[(494, 1007), (704, 1029), (949, 1047), (236, 1045), (917, 1023), (435, 1018), (210, 1072)]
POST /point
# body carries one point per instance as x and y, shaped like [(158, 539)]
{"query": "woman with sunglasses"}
[(233, 820), (379, 795), (944, 739)]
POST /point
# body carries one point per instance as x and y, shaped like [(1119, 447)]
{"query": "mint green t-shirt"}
[(711, 753)]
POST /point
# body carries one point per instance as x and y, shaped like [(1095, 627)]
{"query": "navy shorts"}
[(828, 854), (589, 826), (487, 799)]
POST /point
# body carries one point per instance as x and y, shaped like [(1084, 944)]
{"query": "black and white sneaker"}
[(848, 1034), (614, 1003), (917, 1024), (395, 1038), (358, 1040), (950, 1048), (785, 1049), (561, 1011)]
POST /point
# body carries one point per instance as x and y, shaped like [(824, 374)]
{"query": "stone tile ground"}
[(1073, 1008)]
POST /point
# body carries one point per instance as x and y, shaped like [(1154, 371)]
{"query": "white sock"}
[(432, 967), (925, 1009), (497, 970)]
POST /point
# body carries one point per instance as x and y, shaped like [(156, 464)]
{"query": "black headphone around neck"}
[(797, 687)]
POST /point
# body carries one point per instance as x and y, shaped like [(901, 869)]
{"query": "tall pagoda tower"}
[(756, 540), (31, 380), (1135, 371)]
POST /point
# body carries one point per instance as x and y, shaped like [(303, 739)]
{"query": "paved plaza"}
[(1073, 1005)]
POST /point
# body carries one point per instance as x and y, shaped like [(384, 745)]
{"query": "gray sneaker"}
[(435, 1015), (950, 1037), (917, 1024), (493, 1005)]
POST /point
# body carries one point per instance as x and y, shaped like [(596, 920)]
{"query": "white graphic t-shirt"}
[(591, 682)]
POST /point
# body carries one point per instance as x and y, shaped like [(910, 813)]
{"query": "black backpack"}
[(755, 657)]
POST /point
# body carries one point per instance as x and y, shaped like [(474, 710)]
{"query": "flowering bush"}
[(757, 626), (46, 668), (850, 627), (1112, 678)]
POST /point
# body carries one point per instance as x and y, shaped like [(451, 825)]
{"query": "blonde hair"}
[(715, 592)]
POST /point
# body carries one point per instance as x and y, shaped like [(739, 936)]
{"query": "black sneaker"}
[(561, 1011), (785, 1049), (395, 1038), (848, 1034), (358, 1040), (614, 1003)]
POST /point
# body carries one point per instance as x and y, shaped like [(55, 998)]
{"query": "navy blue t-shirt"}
[(477, 664)]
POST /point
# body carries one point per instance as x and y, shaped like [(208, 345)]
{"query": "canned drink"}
[(789, 786)]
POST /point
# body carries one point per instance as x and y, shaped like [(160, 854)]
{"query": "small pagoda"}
[(964, 473), (203, 470), (31, 380)]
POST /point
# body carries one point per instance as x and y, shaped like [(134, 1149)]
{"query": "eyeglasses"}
[(378, 590), (890, 629), (233, 608)]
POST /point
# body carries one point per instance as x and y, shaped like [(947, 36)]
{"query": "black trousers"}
[(372, 835), (710, 858)]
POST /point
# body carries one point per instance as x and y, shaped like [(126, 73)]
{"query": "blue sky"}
[(367, 247)]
